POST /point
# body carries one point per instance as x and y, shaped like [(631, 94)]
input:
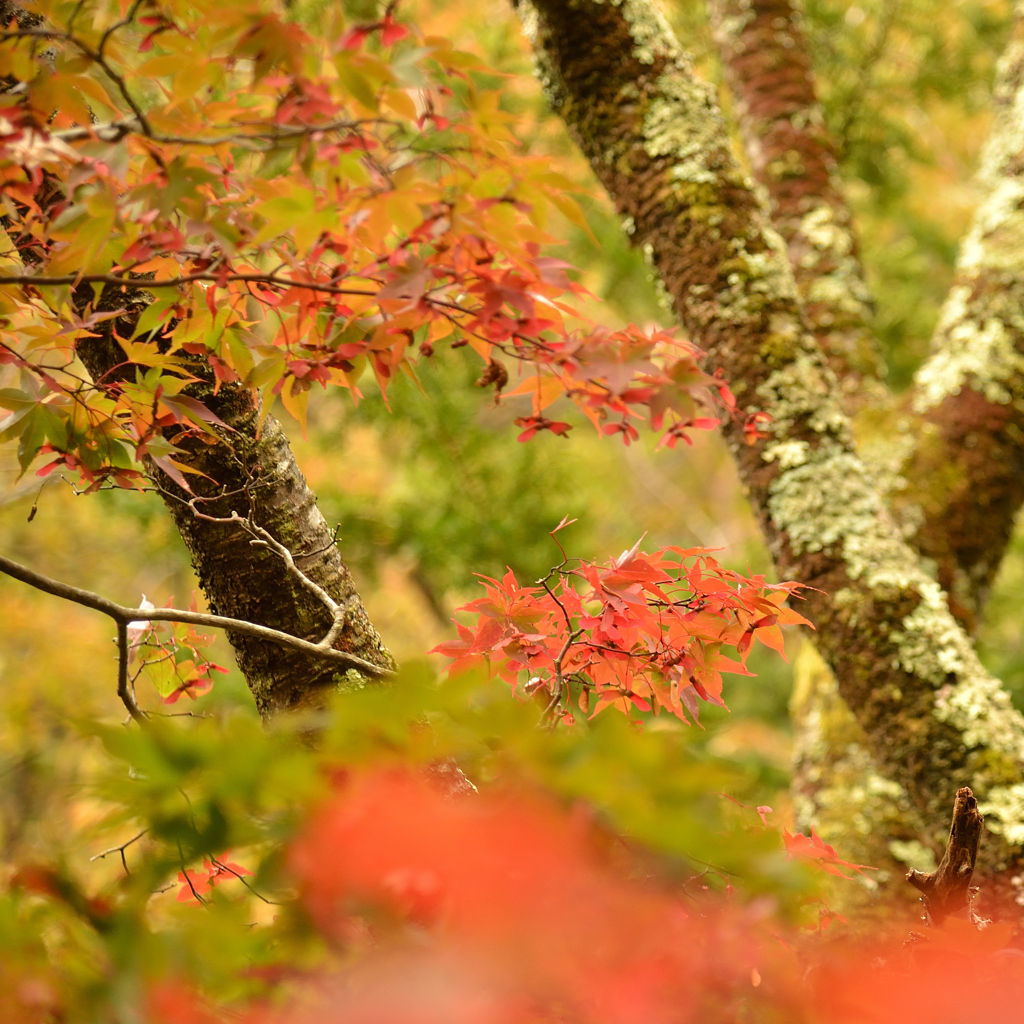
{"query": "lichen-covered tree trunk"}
[(837, 786), (964, 472), (956, 453), (958, 459), (652, 131), (959, 475)]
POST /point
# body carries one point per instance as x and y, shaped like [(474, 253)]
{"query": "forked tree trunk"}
[(933, 718)]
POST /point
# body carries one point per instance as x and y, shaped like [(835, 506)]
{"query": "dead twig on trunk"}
[(946, 891)]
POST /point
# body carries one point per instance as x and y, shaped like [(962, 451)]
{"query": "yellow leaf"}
[(570, 209), (161, 67), (543, 389), (401, 102), (50, 93), (295, 398)]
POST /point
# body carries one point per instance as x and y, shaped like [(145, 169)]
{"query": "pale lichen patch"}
[(803, 391), (820, 228), (820, 501), (976, 351), (682, 121), (1004, 812)]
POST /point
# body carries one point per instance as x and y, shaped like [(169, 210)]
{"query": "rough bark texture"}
[(958, 461), (957, 491), (655, 138), (244, 581), (792, 154), (837, 786)]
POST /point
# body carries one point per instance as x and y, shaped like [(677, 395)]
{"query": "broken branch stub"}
[(946, 890)]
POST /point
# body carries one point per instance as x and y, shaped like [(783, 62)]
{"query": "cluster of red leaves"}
[(814, 848), (502, 909), (196, 884), (643, 630)]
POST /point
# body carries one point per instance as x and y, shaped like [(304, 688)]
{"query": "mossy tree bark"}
[(958, 473), (652, 131), (950, 454), (964, 473), (959, 470), (837, 786)]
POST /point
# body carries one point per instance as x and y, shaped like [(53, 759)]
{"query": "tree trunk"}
[(956, 469), (254, 469)]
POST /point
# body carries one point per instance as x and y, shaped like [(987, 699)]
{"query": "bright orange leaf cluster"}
[(194, 885), (643, 630)]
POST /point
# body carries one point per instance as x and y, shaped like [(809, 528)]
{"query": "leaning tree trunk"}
[(955, 477), (837, 787), (932, 717)]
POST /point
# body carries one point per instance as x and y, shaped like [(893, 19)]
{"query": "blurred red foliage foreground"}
[(501, 909)]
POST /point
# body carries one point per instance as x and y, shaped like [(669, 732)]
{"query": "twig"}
[(123, 688), (114, 131), (184, 871), (174, 282), (120, 849), (264, 538), (232, 871)]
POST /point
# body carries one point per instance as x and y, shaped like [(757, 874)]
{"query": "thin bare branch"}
[(120, 849), (175, 282), (123, 615)]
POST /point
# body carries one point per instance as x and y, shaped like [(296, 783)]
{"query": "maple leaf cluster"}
[(298, 206), (195, 884), (644, 631)]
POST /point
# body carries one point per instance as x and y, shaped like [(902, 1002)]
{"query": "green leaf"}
[(55, 425)]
